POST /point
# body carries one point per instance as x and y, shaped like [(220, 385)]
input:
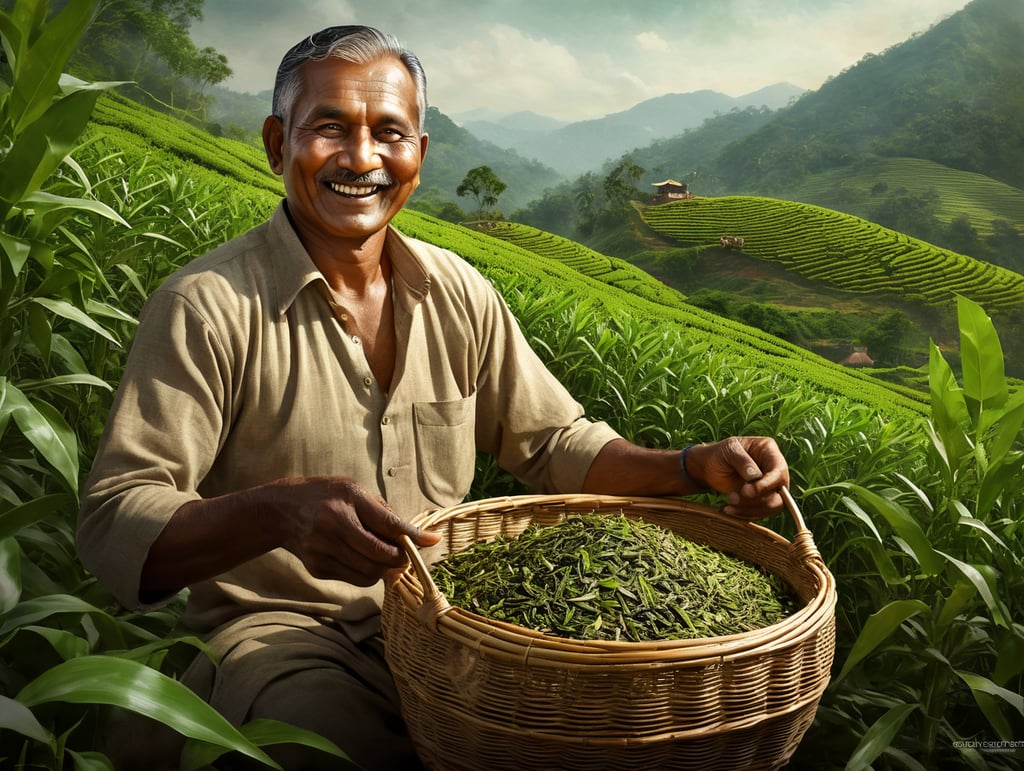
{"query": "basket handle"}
[(434, 604), (803, 546)]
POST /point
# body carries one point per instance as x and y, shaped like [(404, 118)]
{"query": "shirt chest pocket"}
[(446, 448)]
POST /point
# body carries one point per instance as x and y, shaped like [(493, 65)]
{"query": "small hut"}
[(859, 358), (670, 190)]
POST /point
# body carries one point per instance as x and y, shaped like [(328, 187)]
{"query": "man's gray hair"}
[(350, 43)]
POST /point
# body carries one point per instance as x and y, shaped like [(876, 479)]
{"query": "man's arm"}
[(338, 529), (748, 470)]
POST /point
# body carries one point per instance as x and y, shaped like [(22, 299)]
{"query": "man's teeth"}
[(351, 190)]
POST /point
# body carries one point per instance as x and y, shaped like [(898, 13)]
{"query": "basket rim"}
[(504, 639)]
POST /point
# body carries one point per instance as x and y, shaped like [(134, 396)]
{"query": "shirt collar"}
[(293, 269)]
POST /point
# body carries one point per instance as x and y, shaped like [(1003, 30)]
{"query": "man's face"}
[(351, 152)]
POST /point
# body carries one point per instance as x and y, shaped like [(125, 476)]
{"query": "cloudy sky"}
[(578, 59)]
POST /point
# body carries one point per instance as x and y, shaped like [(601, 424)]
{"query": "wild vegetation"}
[(914, 499)]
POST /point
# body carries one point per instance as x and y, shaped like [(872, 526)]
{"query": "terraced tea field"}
[(959, 193), (847, 252), (609, 270)]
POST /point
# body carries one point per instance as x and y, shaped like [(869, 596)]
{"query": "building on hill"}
[(670, 190), (859, 358)]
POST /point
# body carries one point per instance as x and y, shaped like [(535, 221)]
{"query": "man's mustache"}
[(375, 178)]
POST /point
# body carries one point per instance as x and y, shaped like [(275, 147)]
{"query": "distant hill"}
[(453, 151), (951, 95), (585, 145)]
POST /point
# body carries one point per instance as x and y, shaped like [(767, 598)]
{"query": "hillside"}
[(950, 95), (149, 134), (849, 253)]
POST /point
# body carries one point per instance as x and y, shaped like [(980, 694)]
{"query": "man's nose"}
[(360, 152)]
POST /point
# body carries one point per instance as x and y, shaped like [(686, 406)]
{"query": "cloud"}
[(578, 59), (507, 70), (255, 35), (650, 41)]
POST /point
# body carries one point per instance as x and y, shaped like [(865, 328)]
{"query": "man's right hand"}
[(343, 531), (339, 529)]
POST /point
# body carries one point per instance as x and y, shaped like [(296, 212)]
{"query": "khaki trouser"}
[(292, 668)]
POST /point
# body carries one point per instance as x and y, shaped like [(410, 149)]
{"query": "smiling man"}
[(292, 399)]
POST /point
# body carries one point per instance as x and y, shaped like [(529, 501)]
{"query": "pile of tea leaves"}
[(610, 577)]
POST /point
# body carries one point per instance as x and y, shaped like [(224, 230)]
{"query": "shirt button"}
[(392, 471), (385, 420), (367, 381), (344, 317), (355, 339)]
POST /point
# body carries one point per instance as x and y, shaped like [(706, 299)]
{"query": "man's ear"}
[(273, 143), (423, 146)]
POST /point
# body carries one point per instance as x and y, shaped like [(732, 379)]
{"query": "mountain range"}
[(576, 148)]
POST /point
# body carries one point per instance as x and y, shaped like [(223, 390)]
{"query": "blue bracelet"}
[(697, 486)]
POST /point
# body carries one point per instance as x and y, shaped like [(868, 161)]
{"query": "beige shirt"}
[(243, 371)]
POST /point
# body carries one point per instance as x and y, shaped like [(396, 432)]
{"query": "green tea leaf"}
[(136, 687)]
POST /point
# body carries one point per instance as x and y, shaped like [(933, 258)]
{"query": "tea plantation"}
[(914, 499)]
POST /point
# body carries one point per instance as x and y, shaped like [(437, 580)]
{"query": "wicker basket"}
[(483, 694)]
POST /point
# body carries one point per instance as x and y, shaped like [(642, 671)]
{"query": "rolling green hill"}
[(839, 249), (981, 199)]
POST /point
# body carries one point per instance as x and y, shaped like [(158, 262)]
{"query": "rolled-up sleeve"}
[(162, 436), (526, 417)]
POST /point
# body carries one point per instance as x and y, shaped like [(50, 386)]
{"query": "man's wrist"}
[(696, 485)]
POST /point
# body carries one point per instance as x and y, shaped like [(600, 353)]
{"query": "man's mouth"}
[(353, 191)]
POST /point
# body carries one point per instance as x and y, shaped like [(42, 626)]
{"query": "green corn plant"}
[(68, 656), (934, 675)]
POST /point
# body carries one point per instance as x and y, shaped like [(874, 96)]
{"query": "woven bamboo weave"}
[(483, 694)]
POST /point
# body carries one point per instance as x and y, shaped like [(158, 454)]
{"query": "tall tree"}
[(484, 185), (148, 42)]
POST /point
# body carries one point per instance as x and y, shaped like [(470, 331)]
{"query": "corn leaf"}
[(262, 733), (10, 574), (15, 716), (45, 428), (877, 629), (986, 693), (135, 687), (38, 71), (90, 761), (981, 357), (950, 415), (984, 579), (906, 527), (878, 737)]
